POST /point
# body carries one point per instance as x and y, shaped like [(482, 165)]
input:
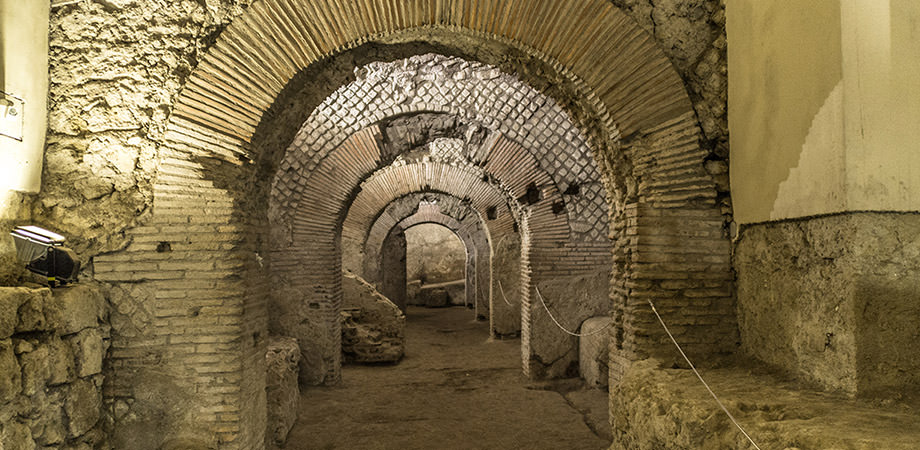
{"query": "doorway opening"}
[(436, 262)]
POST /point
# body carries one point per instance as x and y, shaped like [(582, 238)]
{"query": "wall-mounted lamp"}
[(44, 254)]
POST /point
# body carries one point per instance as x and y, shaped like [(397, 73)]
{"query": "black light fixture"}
[(44, 254)]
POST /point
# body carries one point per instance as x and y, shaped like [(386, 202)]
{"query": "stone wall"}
[(15, 209), (434, 254), (116, 68), (282, 361), (833, 299), (52, 345), (506, 284)]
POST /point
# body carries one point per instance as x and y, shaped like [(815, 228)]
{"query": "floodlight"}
[(44, 254)]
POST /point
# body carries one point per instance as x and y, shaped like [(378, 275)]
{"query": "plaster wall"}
[(785, 61), (822, 99), (24, 75), (881, 66)]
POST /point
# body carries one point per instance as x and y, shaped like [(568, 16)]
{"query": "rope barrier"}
[(500, 288), (563, 328), (730, 416)]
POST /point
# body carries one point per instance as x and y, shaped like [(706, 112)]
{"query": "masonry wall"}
[(672, 251), (841, 311), (824, 264), (434, 254), (393, 277), (506, 284), (186, 331), (52, 345), (116, 69)]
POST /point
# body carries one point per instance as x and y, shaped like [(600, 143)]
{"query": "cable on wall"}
[(730, 416), (540, 296)]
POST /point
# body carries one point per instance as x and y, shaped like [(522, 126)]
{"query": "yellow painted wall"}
[(824, 102), (784, 64), (24, 73), (881, 46)]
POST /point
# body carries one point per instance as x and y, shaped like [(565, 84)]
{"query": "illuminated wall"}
[(23, 74), (823, 102)]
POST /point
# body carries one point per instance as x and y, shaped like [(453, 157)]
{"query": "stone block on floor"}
[(593, 351), (282, 358), (433, 297), (372, 326)]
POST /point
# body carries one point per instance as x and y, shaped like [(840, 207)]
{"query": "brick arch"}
[(475, 242), (624, 86), (589, 39), (210, 287), (472, 229), (478, 97), (554, 253), (447, 178)]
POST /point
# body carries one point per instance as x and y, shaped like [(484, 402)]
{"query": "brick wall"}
[(195, 267), (672, 249)]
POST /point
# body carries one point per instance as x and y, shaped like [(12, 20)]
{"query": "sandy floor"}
[(455, 389)]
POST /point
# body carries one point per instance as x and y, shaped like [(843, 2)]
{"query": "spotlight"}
[(44, 254)]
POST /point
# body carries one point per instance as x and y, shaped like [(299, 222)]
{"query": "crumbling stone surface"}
[(431, 297), (662, 408), (593, 350), (372, 326), (282, 359), (116, 69), (692, 34), (843, 307), (52, 344), (434, 254), (579, 295), (15, 209)]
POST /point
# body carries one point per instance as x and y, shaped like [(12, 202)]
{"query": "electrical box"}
[(11, 112)]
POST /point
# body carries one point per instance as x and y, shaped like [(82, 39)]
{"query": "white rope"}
[(500, 288), (730, 416), (563, 328)]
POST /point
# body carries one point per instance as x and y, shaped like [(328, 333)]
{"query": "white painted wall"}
[(24, 73)]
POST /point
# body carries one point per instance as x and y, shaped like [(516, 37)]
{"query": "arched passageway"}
[(381, 239), (436, 261), (575, 119)]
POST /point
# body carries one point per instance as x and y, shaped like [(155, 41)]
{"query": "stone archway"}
[(449, 211), (206, 292), (430, 214)]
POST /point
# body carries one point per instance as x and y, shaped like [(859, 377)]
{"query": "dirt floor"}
[(455, 389)]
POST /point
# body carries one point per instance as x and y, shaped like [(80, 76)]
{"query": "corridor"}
[(454, 389)]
